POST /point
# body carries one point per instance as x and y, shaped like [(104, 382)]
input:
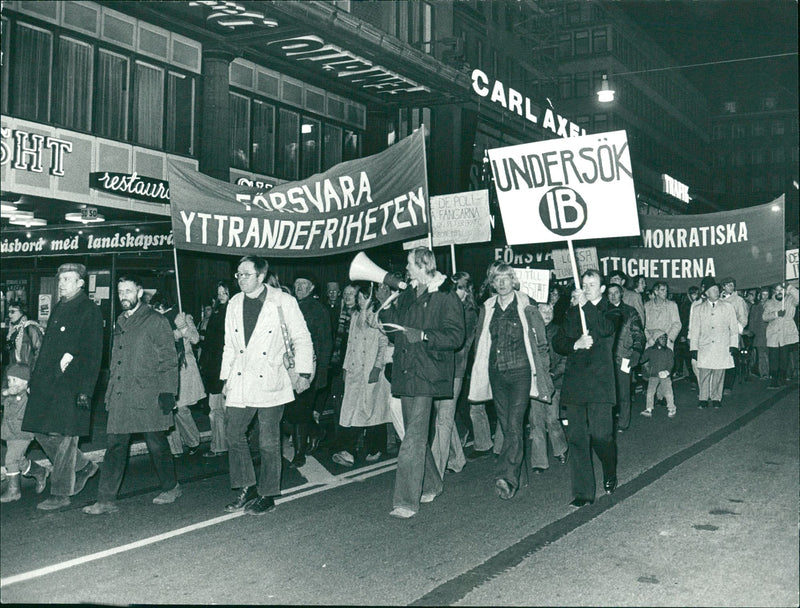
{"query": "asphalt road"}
[(706, 515)]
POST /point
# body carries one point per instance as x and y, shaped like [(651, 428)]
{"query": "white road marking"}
[(288, 495)]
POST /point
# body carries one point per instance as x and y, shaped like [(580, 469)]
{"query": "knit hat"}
[(707, 283), (19, 370), (727, 280)]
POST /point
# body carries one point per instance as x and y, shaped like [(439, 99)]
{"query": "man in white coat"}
[(713, 338), (257, 380)]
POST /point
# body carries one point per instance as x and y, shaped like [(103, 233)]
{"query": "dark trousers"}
[(511, 391), (63, 452), (116, 460), (300, 410), (240, 462), (623, 382), (779, 362), (590, 428), (374, 438)]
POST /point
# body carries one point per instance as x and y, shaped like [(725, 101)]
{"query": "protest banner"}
[(791, 264), (357, 204), (747, 244), (534, 282), (575, 188), (586, 257)]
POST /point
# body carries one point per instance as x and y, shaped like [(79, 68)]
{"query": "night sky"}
[(701, 31)]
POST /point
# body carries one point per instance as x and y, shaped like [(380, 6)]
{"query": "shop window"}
[(111, 106), (33, 51), (352, 145), (288, 161), (240, 131), (581, 43), (332, 150), (180, 127), (600, 41), (310, 140), (148, 105), (72, 90), (263, 137)]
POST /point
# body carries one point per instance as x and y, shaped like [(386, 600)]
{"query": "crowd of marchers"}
[(525, 380)]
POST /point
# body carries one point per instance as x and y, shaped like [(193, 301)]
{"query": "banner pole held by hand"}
[(453, 256), (576, 277), (177, 279)]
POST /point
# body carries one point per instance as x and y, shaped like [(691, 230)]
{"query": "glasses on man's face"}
[(244, 275)]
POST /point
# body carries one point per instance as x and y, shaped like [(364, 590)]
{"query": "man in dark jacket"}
[(589, 391), (62, 383), (431, 319), (143, 380), (628, 348), (299, 414)]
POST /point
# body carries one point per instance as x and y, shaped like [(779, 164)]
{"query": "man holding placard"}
[(589, 391)]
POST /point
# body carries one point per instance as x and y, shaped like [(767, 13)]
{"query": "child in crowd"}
[(15, 398), (659, 360)]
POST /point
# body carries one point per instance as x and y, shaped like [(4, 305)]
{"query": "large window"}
[(148, 105), (72, 90), (289, 145), (180, 128), (111, 113), (240, 131), (33, 50), (332, 151), (312, 149), (263, 137)]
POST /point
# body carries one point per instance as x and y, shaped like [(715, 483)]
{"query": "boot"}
[(12, 491), (299, 440), (39, 473)]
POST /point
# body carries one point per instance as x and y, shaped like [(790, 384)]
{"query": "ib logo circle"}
[(563, 211)]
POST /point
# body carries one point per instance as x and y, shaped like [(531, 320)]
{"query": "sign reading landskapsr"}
[(566, 189)]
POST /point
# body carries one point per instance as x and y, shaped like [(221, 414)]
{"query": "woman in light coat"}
[(366, 390)]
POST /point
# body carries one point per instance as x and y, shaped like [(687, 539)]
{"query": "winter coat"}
[(712, 333), (662, 318), (365, 404), (13, 413), (535, 338), (190, 385), (781, 330), (629, 340), (589, 373), (634, 300), (739, 307), (426, 368), (143, 364), (319, 326), (24, 342), (211, 354), (757, 326), (657, 360), (75, 327), (255, 374)]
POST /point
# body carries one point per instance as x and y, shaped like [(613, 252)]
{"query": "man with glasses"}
[(257, 381)]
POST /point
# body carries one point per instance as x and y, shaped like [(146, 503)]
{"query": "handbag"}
[(288, 358)]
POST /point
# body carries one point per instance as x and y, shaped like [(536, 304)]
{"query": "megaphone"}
[(364, 269)]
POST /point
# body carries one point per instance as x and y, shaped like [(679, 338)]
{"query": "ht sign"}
[(564, 189)]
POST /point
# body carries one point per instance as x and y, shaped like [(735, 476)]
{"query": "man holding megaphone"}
[(427, 325)]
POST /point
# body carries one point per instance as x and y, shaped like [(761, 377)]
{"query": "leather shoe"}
[(53, 503), (716, 404), (580, 502), (703, 404), (99, 508), (538, 470), (83, 475), (609, 485), (475, 454), (504, 489), (261, 505), (245, 497), (298, 461)]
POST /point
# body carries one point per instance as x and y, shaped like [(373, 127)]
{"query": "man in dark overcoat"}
[(143, 380), (62, 383), (431, 318), (588, 391)]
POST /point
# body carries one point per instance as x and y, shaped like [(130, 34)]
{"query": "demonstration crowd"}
[(390, 362)]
